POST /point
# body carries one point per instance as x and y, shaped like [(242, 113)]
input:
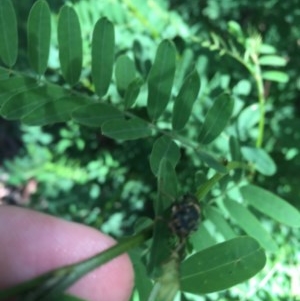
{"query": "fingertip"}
[(34, 243)]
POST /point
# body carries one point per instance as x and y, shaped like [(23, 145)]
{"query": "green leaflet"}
[(4, 74), (95, 114), (271, 205), (250, 224), (70, 44), (160, 79), (219, 222), (235, 149), (125, 73), (211, 161), (143, 284), (19, 105), (216, 118), (260, 159), (184, 66), (235, 29), (8, 33), (222, 266), (163, 147), (247, 121), (132, 92), (267, 49), (38, 36), (122, 129), (15, 85), (202, 238), (272, 60), (55, 111), (276, 76), (185, 100), (167, 188), (103, 45)]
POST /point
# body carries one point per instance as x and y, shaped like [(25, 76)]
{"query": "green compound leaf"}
[(15, 85), (132, 92), (185, 100), (70, 44), (8, 33), (160, 79), (272, 60), (271, 205), (250, 224), (216, 119), (276, 76), (261, 160), (222, 266), (38, 36), (19, 105), (164, 147), (125, 73), (122, 129), (103, 45), (55, 111), (95, 114)]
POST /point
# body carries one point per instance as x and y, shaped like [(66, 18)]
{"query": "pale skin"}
[(33, 243)]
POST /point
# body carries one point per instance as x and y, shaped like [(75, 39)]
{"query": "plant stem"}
[(261, 100), (47, 286)]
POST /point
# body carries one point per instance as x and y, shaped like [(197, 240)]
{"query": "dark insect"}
[(185, 216)]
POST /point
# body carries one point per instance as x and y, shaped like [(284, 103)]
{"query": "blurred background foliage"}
[(76, 173)]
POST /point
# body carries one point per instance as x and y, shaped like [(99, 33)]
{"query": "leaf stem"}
[(207, 186)]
